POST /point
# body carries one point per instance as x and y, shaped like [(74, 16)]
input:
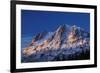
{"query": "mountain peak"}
[(61, 28), (64, 36)]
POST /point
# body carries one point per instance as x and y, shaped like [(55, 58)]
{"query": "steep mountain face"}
[(61, 41)]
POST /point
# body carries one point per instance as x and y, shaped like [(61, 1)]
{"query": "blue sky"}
[(33, 22)]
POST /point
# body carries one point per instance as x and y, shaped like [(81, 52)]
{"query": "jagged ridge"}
[(61, 41)]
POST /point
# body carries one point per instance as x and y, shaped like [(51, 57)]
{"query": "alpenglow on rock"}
[(65, 43)]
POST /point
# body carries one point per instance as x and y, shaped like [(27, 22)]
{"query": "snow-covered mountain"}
[(65, 41)]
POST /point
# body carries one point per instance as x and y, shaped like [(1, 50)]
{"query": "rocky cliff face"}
[(49, 46)]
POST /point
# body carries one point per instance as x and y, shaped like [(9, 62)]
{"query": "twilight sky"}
[(33, 22)]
